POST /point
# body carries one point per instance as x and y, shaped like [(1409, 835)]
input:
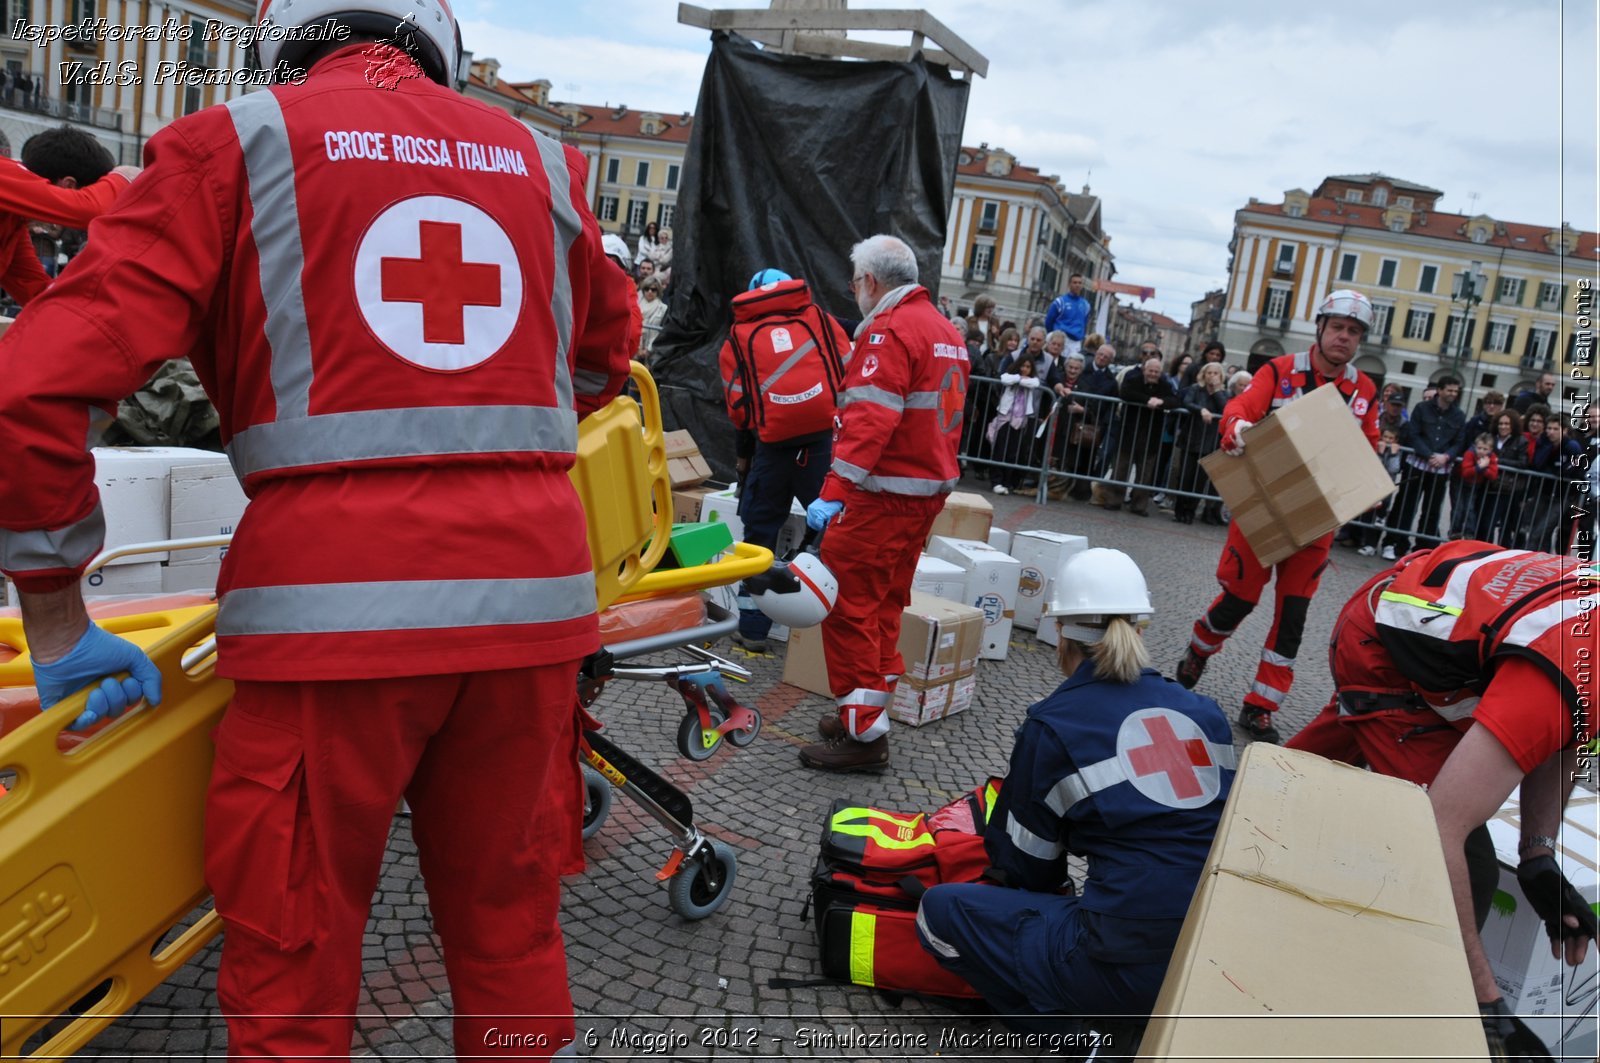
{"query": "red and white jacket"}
[(398, 301), (1285, 379), (900, 411), (26, 196)]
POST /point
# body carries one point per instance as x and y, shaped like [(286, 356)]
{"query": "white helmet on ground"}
[(1093, 586), (424, 28), (1346, 302), (799, 593)]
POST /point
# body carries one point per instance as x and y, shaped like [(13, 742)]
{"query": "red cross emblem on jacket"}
[(1167, 758)]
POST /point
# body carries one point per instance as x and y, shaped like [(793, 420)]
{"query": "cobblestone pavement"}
[(646, 983)]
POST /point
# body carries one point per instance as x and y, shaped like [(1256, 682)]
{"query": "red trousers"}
[(1243, 578), (305, 785), (871, 548)]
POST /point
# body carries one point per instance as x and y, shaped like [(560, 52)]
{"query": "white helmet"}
[(615, 247), (1346, 302), (799, 593), (1093, 586), (424, 28)]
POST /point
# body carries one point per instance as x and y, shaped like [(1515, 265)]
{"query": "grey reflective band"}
[(403, 605), (923, 400), (1272, 694), (868, 699), (590, 382), (275, 227), (43, 551), (1273, 657), (789, 363), (877, 396), (568, 227), (369, 435), (909, 485), (1029, 842), (854, 473), (943, 948), (1109, 772)]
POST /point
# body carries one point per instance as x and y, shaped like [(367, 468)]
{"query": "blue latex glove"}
[(97, 658), (819, 513)]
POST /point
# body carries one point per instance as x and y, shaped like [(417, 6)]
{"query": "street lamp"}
[(1469, 293)]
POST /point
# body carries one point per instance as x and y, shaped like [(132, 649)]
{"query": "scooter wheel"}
[(692, 740), (702, 886), (744, 738), (596, 801)]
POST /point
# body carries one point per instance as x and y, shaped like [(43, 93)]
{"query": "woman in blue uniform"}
[(1120, 766)]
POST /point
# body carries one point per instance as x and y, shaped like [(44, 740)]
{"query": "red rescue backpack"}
[(872, 871), (783, 364)]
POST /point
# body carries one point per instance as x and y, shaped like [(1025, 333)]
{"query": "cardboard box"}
[(685, 466), (804, 665), (939, 639), (1557, 1002), (1000, 539), (965, 516), (143, 577), (1324, 899), (917, 703), (136, 493), (1040, 553), (206, 500), (992, 580), (1306, 469), (688, 503), (940, 578)]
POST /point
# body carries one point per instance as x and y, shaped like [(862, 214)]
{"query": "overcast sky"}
[(1177, 112)]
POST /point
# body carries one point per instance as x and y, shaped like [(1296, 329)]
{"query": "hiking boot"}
[(1190, 668), (846, 754), (829, 726), (748, 644), (1257, 723)]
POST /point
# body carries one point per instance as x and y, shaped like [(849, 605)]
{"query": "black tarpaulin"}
[(791, 161)]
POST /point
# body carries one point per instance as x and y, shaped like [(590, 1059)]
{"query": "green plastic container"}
[(696, 544)]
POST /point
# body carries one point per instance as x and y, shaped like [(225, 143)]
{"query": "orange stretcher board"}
[(94, 874)]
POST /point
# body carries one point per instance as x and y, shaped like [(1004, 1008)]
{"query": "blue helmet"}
[(765, 277)]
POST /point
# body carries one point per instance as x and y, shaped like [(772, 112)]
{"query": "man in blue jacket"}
[(1070, 314)]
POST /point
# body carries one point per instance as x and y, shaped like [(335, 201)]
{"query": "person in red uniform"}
[(1468, 669), (398, 300), (894, 461), (69, 179), (1343, 319)]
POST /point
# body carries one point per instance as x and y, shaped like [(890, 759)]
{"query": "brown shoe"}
[(846, 754), (829, 726)]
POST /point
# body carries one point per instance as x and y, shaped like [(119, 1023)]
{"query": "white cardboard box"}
[(1040, 554), (940, 578), (142, 577), (992, 579), (1556, 1001), (136, 494), (917, 703), (206, 500)]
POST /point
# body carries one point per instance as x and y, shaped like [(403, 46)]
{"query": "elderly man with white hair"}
[(894, 461)]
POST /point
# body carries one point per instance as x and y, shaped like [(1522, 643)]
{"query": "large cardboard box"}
[(206, 500), (1324, 900), (804, 666), (992, 579), (1040, 554), (940, 578), (965, 516), (1556, 1001), (685, 466), (688, 502), (939, 639), (136, 493), (1306, 469), (917, 703)]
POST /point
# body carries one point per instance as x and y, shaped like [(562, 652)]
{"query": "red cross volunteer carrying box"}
[(399, 348)]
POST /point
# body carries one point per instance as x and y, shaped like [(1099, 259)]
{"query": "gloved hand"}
[(1509, 1037), (820, 512), (1552, 896), (1238, 437), (97, 658)]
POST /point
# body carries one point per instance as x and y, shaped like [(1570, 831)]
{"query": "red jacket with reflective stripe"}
[(396, 298), (900, 411), (25, 195), (1289, 376)]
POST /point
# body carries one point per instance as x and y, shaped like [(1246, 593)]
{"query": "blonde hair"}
[(1211, 369), (1119, 656)]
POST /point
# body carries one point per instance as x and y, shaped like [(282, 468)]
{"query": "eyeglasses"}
[(856, 281)]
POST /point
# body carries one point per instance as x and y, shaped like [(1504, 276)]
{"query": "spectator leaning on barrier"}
[(1393, 460), (1480, 423), (1434, 436), (1147, 395), (404, 607), (1342, 320), (1010, 431), (894, 461), (1204, 402)]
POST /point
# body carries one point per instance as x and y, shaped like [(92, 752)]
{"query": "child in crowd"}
[(1389, 454), (1480, 474), (1011, 431)]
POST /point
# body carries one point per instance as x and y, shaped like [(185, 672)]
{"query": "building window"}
[(637, 210), (197, 56), (664, 215), (1048, 276), (672, 176), (1347, 267), (1489, 380), (1285, 262), (1352, 195), (990, 219), (1294, 210), (1540, 343), (613, 170), (1419, 325), (1380, 196), (1044, 231), (1404, 202), (1511, 290), (1408, 368), (1550, 295), (1480, 235), (1278, 301), (982, 258), (1428, 280), (1454, 340), (1386, 272), (1398, 225), (83, 11), (641, 174), (1381, 313), (1501, 335), (608, 208)]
